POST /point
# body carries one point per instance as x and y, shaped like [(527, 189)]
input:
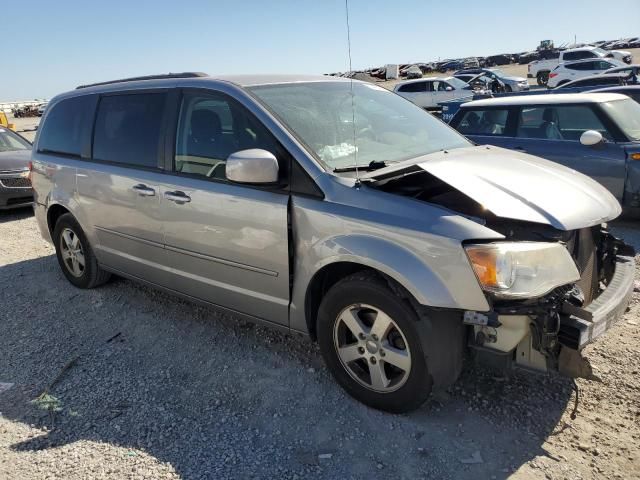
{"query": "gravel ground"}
[(155, 387)]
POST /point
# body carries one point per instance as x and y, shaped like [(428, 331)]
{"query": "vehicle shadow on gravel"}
[(17, 214), (217, 398)]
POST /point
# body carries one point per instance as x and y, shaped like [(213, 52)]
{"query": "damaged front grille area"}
[(571, 316)]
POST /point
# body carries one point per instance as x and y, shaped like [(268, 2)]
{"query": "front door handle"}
[(177, 196), (144, 191)]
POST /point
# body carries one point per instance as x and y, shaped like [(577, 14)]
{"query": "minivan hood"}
[(15, 160), (515, 185)]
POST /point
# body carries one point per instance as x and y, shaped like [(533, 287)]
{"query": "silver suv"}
[(335, 209)]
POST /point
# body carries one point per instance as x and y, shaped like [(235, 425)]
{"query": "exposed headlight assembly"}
[(521, 269)]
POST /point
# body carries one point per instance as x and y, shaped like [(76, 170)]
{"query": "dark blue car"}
[(597, 134)]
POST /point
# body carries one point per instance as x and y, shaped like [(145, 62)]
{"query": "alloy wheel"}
[(372, 348), (72, 252)]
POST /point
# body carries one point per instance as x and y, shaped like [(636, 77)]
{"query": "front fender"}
[(445, 281)]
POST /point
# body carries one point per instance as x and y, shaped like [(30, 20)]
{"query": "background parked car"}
[(596, 134), (450, 65), (511, 83), (428, 92), (528, 57), (502, 59), (568, 71), (15, 184), (631, 70), (540, 69), (601, 80), (414, 72)]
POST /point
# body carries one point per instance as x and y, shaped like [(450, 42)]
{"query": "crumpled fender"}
[(454, 287)]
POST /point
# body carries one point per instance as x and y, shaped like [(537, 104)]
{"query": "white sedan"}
[(429, 92), (569, 71)]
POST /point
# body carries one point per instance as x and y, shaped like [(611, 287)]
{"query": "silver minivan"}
[(335, 209)]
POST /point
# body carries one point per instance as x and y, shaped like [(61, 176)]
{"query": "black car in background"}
[(15, 183)]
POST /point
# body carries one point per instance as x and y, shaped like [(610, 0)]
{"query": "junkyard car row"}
[(337, 209)]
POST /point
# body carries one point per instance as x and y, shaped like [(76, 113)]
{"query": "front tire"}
[(542, 78), (75, 255), (371, 341)]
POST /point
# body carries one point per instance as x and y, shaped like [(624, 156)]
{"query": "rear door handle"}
[(143, 190), (177, 196)]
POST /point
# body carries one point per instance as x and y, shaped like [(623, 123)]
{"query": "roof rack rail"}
[(148, 77)]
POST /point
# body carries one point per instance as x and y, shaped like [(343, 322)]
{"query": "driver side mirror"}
[(591, 138), (254, 166), (449, 89)]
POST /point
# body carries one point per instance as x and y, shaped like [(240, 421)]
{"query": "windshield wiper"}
[(373, 165)]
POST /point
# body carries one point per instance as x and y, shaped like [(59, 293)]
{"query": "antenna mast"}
[(353, 108)]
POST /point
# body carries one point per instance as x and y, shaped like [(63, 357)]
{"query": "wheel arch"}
[(391, 261), (54, 212)]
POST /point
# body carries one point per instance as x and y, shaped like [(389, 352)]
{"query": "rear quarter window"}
[(67, 127)]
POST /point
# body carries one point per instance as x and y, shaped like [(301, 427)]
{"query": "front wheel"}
[(370, 340), (75, 255), (542, 78)]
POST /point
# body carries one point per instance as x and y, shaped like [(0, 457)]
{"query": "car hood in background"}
[(624, 53), (15, 160), (516, 185), (514, 79)]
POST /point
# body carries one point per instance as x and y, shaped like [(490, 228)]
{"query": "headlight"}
[(522, 269)]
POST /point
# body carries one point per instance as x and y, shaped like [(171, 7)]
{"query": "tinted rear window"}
[(67, 126), (128, 129)]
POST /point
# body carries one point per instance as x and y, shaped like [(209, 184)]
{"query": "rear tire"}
[(75, 255), (387, 371), (542, 78)]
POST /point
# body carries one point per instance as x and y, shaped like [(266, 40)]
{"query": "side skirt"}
[(239, 315)]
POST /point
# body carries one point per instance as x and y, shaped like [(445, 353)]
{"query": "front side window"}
[(342, 130), (484, 122), (564, 122), (128, 129), (212, 127), (67, 127)]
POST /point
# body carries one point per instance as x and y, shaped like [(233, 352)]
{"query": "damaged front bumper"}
[(579, 327), (548, 334)]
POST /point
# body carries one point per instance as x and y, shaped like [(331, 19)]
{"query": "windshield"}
[(10, 141), (498, 72), (381, 127), (626, 113)]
